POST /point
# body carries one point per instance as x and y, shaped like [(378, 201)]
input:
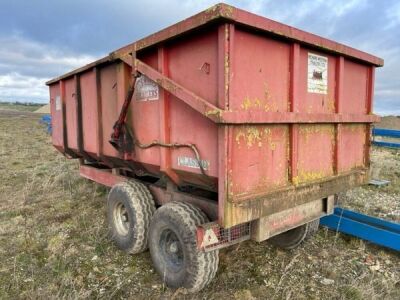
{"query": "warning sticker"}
[(146, 89), (209, 238), (317, 78)]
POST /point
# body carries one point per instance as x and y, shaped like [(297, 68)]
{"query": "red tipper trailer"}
[(234, 125)]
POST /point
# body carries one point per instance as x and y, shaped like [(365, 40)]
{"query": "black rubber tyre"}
[(130, 207), (172, 243), (294, 237)]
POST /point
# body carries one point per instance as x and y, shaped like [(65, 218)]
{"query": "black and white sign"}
[(146, 89), (317, 79)]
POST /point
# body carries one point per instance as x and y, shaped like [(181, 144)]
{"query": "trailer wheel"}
[(294, 237), (130, 207), (173, 249)]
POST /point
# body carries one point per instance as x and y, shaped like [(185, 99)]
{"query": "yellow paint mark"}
[(246, 103), (267, 94), (260, 136), (267, 131), (216, 112), (226, 64), (251, 136), (307, 176), (331, 104), (309, 131)]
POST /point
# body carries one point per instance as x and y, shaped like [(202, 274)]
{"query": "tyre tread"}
[(142, 203), (203, 265)]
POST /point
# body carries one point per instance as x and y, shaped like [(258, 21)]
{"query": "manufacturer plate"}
[(146, 89), (192, 162)]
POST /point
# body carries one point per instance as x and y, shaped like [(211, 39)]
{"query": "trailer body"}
[(280, 118)]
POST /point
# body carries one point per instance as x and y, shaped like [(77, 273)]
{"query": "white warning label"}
[(209, 238), (58, 103), (317, 78), (146, 89)]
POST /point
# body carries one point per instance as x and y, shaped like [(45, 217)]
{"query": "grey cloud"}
[(34, 59)]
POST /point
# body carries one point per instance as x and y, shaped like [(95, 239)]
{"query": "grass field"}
[(19, 107), (54, 242)]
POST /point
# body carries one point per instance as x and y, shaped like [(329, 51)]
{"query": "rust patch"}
[(249, 103), (227, 65), (331, 104), (254, 136), (309, 130), (167, 85), (265, 140), (213, 112), (307, 176), (250, 207), (226, 11)]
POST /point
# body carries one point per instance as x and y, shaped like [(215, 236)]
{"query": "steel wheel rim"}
[(121, 219), (171, 250)]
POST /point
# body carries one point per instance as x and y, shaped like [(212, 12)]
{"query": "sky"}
[(40, 39)]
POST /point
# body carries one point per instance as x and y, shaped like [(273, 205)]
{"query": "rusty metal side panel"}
[(315, 153), (352, 147), (71, 116), (56, 116), (355, 90), (277, 164), (143, 117), (89, 112), (274, 224), (259, 159), (108, 78), (261, 78), (257, 154), (255, 206), (193, 63)]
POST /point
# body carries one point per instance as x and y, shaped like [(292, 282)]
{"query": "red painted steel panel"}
[(315, 153), (56, 116), (352, 147), (273, 112), (193, 63), (259, 159), (355, 79), (262, 79), (70, 107), (89, 112), (108, 77), (144, 118)]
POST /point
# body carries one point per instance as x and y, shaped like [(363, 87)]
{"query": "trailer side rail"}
[(390, 133), (374, 230)]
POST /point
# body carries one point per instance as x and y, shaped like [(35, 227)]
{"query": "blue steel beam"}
[(386, 132), (386, 144), (368, 228)]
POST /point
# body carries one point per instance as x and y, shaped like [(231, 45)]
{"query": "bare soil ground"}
[(389, 122), (54, 243)]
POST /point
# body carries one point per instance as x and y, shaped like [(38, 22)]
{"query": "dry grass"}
[(54, 244), (19, 107)]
